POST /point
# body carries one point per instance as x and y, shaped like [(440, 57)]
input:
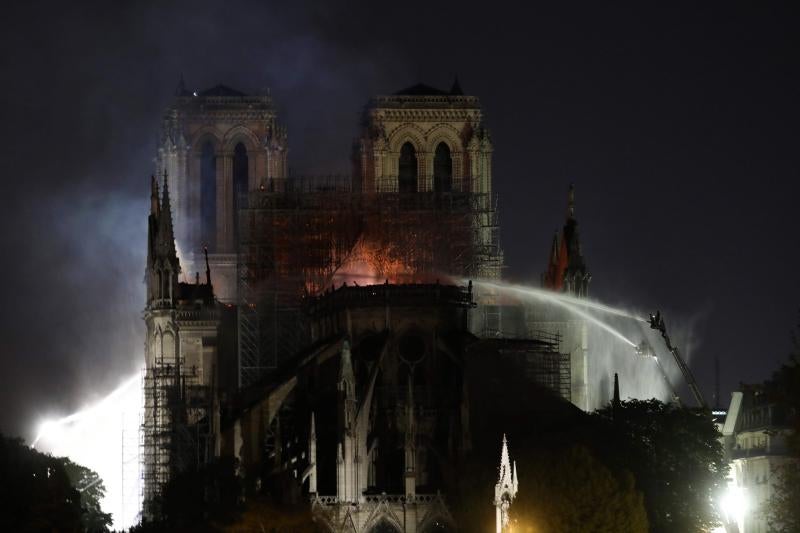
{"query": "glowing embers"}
[(368, 264)]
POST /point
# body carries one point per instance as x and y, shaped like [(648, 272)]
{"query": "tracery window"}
[(208, 196), (442, 169), (407, 175), (240, 183)]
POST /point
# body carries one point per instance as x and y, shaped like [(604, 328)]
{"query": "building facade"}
[(328, 357), (216, 146), (754, 437)]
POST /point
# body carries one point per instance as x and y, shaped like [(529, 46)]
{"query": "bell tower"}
[(217, 145), (423, 139)]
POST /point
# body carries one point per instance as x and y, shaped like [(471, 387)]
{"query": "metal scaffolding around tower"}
[(176, 425), (307, 235)]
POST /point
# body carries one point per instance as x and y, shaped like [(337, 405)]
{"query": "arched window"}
[(240, 184), (442, 169), (159, 293), (407, 176), (384, 526), (208, 196), (166, 276), (168, 346)]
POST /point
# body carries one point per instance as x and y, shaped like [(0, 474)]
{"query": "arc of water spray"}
[(559, 298), (563, 302), (75, 417)]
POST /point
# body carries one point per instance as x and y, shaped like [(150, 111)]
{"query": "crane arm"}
[(657, 323)]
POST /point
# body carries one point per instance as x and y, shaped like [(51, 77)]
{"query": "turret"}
[(566, 268), (312, 457), (347, 386), (163, 266), (505, 490)]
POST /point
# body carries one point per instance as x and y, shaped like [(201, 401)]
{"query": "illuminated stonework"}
[(217, 145), (505, 490)]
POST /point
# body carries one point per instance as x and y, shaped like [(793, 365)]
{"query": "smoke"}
[(643, 377)]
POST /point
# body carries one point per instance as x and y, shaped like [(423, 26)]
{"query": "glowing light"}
[(104, 437), (734, 504)]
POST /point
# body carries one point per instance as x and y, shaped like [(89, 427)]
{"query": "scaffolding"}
[(306, 236), (540, 360), (176, 426)]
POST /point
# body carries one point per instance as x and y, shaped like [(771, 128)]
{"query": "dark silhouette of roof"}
[(221, 90), (455, 90), (421, 89)]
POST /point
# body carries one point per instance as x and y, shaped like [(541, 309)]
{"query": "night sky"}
[(677, 124)]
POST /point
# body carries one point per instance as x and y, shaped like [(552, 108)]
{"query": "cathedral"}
[(334, 345)]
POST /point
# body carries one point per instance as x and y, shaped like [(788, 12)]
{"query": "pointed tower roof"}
[(165, 229), (515, 478), (566, 258), (505, 479), (155, 207)]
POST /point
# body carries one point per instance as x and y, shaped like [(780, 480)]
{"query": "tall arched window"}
[(407, 175), (384, 526), (168, 346), (208, 196), (240, 185), (442, 169)]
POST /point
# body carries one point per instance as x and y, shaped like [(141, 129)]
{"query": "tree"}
[(91, 489), (200, 500), (36, 491), (573, 491), (676, 457), (783, 508)]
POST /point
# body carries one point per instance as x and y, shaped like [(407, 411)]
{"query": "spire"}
[(166, 232), (615, 401), (515, 478), (571, 202), (208, 271), (154, 205), (505, 465), (312, 457), (505, 490), (566, 268)]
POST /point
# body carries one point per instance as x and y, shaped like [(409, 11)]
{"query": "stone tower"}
[(426, 140), (566, 272), (180, 358), (423, 139), (216, 145)]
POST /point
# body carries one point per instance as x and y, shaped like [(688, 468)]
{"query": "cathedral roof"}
[(421, 89), (194, 292), (221, 90)]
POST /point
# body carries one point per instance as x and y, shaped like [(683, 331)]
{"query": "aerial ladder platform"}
[(657, 323)]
